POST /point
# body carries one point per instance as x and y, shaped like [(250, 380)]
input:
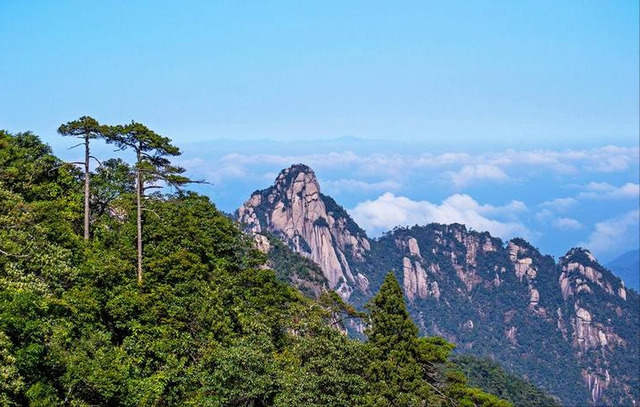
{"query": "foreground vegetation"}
[(491, 377), (207, 326)]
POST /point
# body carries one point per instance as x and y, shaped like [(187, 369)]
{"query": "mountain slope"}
[(292, 267), (489, 376), (503, 300), (210, 325), (627, 267)]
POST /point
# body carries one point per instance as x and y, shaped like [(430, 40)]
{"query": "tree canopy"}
[(209, 327)]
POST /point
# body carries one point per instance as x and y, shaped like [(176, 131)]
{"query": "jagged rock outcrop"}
[(311, 224), (510, 302), (503, 300), (414, 279)]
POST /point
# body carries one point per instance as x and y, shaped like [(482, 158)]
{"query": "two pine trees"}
[(152, 168)]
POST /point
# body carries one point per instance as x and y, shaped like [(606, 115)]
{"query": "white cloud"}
[(567, 224), (603, 190), (388, 211), (470, 174), (612, 158), (360, 186), (212, 172), (559, 204), (602, 159), (461, 168), (614, 234), (544, 215)]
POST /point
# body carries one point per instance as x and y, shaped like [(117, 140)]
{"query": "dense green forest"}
[(490, 376), (116, 293)]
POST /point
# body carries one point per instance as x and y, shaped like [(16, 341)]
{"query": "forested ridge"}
[(115, 292)]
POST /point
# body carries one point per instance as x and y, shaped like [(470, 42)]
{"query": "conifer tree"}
[(395, 373), (391, 326), (85, 128), (408, 371), (152, 167)]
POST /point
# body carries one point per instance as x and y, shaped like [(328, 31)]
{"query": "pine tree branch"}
[(98, 161), (152, 211), (20, 256), (64, 164)]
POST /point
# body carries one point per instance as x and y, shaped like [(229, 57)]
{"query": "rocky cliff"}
[(571, 327), (311, 224), (509, 302)]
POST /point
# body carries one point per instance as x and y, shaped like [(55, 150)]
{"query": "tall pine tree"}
[(394, 373), (408, 371), (84, 128), (152, 167)]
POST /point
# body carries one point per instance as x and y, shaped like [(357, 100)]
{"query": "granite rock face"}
[(310, 224)]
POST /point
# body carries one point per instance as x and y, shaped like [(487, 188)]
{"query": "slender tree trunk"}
[(139, 217), (86, 187)]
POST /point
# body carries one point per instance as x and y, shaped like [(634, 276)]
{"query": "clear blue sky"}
[(506, 72), (525, 80)]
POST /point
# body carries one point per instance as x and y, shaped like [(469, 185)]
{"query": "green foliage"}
[(11, 382), (405, 370), (28, 168), (321, 222), (112, 180), (151, 151), (295, 269), (209, 326), (322, 369), (491, 377), (85, 126), (391, 328)]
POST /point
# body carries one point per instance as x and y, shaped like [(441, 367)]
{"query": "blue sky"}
[(524, 97)]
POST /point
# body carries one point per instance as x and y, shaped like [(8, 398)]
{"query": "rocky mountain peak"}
[(580, 255), (581, 272), (311, 224), (297, 173)]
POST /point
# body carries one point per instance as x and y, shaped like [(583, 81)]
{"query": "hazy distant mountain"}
[(570, 327), (627, 267)]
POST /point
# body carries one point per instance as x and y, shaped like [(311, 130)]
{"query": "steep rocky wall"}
[(294, 210)]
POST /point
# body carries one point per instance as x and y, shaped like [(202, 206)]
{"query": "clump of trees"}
[(489, 375), (152, 167), (209, 327)]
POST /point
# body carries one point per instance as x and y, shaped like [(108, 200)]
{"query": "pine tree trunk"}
[(139, 217), (86, 187)]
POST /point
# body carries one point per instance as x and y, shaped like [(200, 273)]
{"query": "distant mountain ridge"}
[(627, 267), (507, 301)]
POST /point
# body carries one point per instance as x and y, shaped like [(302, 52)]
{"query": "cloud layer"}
[(569, 192), (613, 235), (470, 174), (388, 211), (603, 190), (462, 170)]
